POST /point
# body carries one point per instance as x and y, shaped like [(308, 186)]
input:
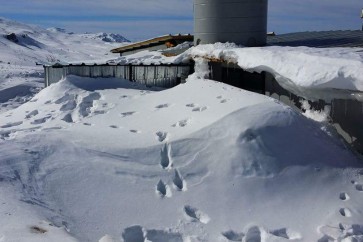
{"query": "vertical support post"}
[(45, 76), (130, 72)]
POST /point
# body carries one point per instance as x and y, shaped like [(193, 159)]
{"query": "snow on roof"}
[(301, 69)]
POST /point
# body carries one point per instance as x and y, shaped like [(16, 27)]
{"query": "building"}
[(158, 43)]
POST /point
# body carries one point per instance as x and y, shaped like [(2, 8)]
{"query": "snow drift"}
[(203, 161)]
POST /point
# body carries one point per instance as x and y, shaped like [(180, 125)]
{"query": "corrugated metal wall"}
[(150, 75)]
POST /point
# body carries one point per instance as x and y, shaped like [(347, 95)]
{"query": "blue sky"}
[(140, 19)]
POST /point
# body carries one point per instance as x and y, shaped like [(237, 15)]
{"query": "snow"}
[(106, 37), (110, 160), (20, 78), (313, 73), (319, 116), (19, 222), (303, 70)]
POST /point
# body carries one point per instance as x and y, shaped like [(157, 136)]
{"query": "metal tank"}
[(243, 22)]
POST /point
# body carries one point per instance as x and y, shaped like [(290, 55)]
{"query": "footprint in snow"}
[(68, 118), (9, 125), (344, 196), (163, 189), (286, 234), (32, 114), (345, 212), (233, 236), (165, 105), (182, 123), (87, 104), (179, 182), (200, 109), (166, 161), (126, 114), (41, 120), (253, 234), (69, 105), (87, 124), (163, 236), (66, 98), (196, 214), (359, 187), (114, 126), (162, 136), (37, 230), (135, 131), (124, 96), (219, 97), (97, 112), (224, 101), (191, 105), (133, 234), (342, 226)]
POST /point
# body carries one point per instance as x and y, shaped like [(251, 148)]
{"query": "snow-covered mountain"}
[(27, 44), (107, 37), (22, 46)]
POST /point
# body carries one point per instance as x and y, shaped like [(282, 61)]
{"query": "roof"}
[(153, 42), (319, 39)]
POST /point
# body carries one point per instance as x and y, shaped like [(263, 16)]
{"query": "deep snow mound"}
[(202, 161)]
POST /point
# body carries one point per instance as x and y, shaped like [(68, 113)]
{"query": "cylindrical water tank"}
[(242, 22)]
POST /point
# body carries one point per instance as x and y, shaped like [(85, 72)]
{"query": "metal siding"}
[(150, 75)]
